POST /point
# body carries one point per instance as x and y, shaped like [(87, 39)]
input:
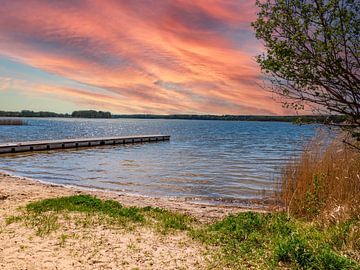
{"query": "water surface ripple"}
[(205, 160)]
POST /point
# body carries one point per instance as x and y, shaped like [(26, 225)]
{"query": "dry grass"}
[(324, 183), (11, 122)]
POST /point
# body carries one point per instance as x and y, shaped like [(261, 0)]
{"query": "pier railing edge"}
[(16, 147)]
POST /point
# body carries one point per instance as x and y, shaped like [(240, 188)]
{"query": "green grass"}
[(43, 215), (268, 241), (167, 220), (242, 241), (86, 204)]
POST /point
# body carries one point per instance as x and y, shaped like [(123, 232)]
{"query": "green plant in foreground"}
[(313, 202), (168, 220), (273, 240), (245, 240), (86, 204), (43, 214)]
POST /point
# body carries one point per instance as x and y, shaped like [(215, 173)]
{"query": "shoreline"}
[(24, 190), (251, 204), (96, 245), (93, 245)]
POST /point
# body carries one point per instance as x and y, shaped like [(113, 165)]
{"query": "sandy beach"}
[(98, 246)]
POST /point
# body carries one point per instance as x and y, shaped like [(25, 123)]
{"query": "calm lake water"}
[(207, 161)]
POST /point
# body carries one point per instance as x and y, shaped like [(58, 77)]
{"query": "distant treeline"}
[(26, 113), (262, 118), (101, 114), (75, 114), (91, 114)]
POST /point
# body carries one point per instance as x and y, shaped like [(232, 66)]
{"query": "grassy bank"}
[(260, 241)]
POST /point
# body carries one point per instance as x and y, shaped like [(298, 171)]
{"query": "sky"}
[(132, 56)]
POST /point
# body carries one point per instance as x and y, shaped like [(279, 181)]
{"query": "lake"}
[(205, 161)]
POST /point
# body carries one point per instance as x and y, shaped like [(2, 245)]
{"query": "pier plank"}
[(16, 147)]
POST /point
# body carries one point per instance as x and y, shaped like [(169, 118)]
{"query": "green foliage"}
[(91, 206), (295, 249), (91, 114), (312, 52), (12, 219), (44, 223), (87, 204), (77, 114), (274, 241), (313, 203), (263, 118), (168, 220), (241, 241), (27, 113)]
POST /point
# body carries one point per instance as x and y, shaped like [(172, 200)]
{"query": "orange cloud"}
[(146, 56)]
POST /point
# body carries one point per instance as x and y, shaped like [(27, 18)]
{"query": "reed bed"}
[(324, 183), (11, 122)]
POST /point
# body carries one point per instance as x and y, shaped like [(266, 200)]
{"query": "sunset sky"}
[(131, 56)]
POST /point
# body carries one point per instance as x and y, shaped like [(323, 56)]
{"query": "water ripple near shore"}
[(214, 161)]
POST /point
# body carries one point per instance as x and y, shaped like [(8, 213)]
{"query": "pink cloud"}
[(200, 49)]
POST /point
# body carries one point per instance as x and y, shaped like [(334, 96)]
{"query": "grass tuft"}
[(43, 214), (168, 220), (86, 204)]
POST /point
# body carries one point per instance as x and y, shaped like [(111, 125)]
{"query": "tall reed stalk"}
[(324, 182)]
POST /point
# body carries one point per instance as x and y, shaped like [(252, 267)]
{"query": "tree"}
[(90, 114), (312, 51)]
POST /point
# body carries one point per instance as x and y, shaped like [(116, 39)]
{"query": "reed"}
[(11, 122), (324, 183)]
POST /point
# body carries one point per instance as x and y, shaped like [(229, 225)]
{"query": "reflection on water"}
[(204, 159)]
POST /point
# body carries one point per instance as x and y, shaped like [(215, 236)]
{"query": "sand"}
[(98, 246)]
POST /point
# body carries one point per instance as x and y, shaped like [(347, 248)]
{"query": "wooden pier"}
[(17, 147)]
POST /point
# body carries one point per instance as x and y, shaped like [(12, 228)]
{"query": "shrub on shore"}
[(324, 183)]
